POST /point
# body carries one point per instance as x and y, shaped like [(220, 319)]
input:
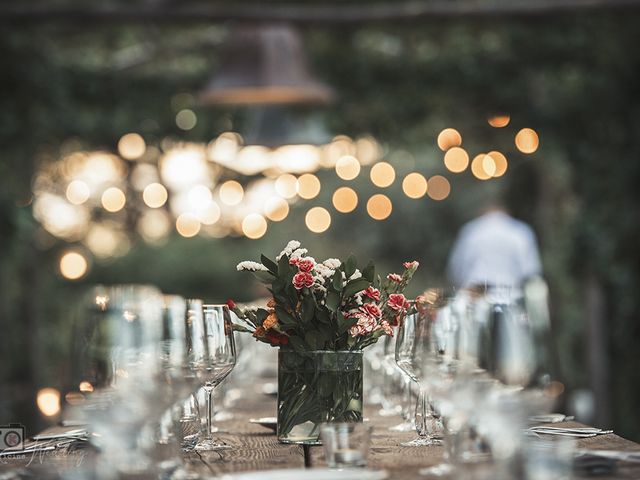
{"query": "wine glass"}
[(117, 371), (218, 357), (412, 347)]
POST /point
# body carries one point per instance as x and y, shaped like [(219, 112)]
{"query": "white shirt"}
[(494, 249)]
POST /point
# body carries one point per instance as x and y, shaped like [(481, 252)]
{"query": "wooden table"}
[(256, 448)]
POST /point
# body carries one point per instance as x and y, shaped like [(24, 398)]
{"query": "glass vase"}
[(317, 387)]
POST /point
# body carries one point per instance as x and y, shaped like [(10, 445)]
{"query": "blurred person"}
[(494, 249)]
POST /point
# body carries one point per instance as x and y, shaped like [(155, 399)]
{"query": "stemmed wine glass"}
[(118, 371), (217, 359), (412, 347)]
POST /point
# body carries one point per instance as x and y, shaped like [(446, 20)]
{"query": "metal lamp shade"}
[(264, 65)]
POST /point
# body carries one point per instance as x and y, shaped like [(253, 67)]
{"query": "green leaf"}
[(323, 315), (355, 286), (336, 281), (240, 328), (369, 271), (350, 265), (308, 308), (265, 277), (279, 285), (292, 295), (333, 300), (284, 269), (313, 338), (298, 344), (261, 315), (285, 318), (270, 264)]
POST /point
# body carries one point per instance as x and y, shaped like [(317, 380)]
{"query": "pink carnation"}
[(397, 302), (371, 309), (294, 260), (306, 264), (356, 331), (302, 280), (409, 265), (372, 293), (387, 328), (394, 277)]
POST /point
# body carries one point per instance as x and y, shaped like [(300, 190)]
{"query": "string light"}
[(276, 209), (438, 187), (379, 207), (187, 225), (131, 146), (382, 174), (155, 195), (448, 138), (414, 185), (308, 186), (254, 226), (527, 140), (348, 167), (317, 219), (345, 199), (231, 193), (477, 167), (113, 199), (286, 185), (186, 119), (48, 401), (73, 265), (499, 121), (78, 192), (456, 160), (500, 162)]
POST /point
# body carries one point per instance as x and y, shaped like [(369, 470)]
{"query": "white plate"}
[(309, 474)]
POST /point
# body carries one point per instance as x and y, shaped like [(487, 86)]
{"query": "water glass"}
[(346, 445)]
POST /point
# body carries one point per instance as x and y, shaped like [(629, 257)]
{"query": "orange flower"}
[(270, 322), (271, 303), (259, 332)]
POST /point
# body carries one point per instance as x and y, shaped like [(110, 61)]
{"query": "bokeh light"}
[(254, 226), (231, 193), (379, 207), (317, 219), (155, 195), (527, 140), (500, 162), (113, 199), (348, 167), (345, 199), (131, 146), (308, 186), (186, 119), (286, 185), (456, 159), (477, 167), (276, 209), (73, 265), (414, 185), (448, 138), (199, 197), (85, 387), (187, 225), (78, 192), (184, 167), (209, 214), (382, 174), (154, 225), (48, 401), (104, 240), (438, 187), (489, 165), (499, 121)]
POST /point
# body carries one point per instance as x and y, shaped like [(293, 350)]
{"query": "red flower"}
[(305, 265), (397, 302), (231, 304), (302, 280), (294, 260), (372, 310), (409, 265), (394, 277), (372, 293), (276, 338)]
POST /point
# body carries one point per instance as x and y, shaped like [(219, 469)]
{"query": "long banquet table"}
[(256, 448)]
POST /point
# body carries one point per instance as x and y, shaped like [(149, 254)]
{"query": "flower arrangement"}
[(329, 305)]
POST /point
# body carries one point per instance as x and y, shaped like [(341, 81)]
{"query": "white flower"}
[(320, 288), (299, 252), (356, 275), (288, 250), (251, 267), (332, 263), (323, 271)]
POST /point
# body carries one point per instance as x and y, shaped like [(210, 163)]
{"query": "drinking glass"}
[(118, 376), (412, 347), (218, 357), (346, 445)]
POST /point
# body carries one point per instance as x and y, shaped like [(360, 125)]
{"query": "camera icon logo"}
[(11, 436)]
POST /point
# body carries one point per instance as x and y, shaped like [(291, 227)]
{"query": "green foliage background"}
[(575, 79)]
